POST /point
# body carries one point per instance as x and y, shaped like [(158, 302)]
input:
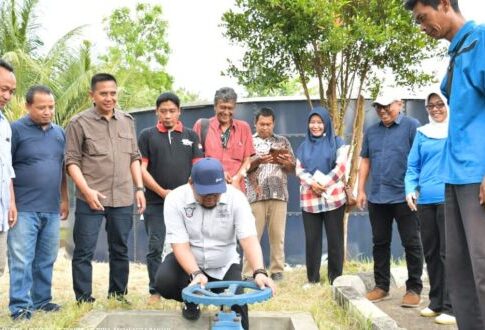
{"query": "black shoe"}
[(190, 311), (22, 315), (50, 307), (86, 300), (277, 276)]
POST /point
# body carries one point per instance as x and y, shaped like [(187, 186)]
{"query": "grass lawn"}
[(290, 297)]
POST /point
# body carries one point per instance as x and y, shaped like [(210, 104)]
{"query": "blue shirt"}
[(37, 157), (463, 160), (423, 172), (387, 149)]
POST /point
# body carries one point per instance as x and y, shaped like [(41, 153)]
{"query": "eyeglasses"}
[(436, 106), (386, 108)]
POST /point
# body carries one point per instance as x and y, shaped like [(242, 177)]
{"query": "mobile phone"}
[(276, 152)]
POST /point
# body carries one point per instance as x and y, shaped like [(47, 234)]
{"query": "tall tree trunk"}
[(301, 73), (332, 96), (357, 137), (355, 148)]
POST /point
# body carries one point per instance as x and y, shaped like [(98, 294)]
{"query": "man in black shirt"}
[(168, 151)]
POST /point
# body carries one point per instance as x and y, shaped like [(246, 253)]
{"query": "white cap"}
[(386, 99)]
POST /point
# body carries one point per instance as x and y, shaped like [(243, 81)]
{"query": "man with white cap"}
[(384, 155), (203, 219)]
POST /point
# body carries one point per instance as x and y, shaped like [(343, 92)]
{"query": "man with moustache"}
[(101, 150), (267, 187), (8, 210), (384, 155), (204, 219), (168, 151), (463, 160), (42, 201)]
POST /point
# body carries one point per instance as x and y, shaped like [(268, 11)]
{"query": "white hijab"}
[(434, 129)]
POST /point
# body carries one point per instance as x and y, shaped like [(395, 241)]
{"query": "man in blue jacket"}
[(463, 162)]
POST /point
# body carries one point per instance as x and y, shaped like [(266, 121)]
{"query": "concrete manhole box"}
[(174, 320)]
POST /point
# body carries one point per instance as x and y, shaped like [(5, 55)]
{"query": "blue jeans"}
[(119, 221), (32, 250), (155, 229)]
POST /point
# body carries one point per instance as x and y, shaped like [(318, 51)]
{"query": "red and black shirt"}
[(170, 155)]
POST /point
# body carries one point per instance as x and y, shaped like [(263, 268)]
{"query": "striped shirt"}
[(334, 195)]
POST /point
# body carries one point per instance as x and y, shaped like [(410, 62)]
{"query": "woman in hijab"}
[(320, 165), (425, 193)]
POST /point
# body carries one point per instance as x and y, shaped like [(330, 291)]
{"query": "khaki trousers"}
[(270, 212)]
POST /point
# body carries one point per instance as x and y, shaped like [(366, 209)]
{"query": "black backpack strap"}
[(454, 54), (204, 128)]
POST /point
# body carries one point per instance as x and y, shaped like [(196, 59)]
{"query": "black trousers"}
[(119, 221), (171, 279), (432, 223), (465, 254), (155, 229), (381, 218), (334, 227)]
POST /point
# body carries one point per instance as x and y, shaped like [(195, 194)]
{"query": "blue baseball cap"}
[(208, 177)]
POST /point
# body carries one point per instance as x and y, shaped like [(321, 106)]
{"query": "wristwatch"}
[(194, 274), (140, 189), (260, 271)]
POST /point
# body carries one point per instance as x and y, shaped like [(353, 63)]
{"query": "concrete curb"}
[(349, 290)]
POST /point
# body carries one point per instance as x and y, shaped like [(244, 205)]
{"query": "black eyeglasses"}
[(436, 106), (386, 108)]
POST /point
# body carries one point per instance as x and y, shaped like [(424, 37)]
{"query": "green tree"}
[(65, 69), (343, 44), (289, 87), (138, 55), (18, 26)]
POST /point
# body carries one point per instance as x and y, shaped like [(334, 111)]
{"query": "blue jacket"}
[(463, 160), (423, 169)]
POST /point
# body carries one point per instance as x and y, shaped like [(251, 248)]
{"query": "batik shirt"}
[(268, 181)]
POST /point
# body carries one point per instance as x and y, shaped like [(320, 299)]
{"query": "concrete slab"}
[(387, 314), (173, 320), (409, 317)]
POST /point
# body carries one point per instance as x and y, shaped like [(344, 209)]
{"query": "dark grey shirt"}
[(387, 149)]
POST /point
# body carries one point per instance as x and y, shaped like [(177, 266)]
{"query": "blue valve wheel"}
[(228, 297)]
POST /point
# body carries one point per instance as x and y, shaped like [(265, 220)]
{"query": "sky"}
[(199, 51)]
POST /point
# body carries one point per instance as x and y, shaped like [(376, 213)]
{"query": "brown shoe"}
[(154, 299), (411, 299), (377, 294)]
